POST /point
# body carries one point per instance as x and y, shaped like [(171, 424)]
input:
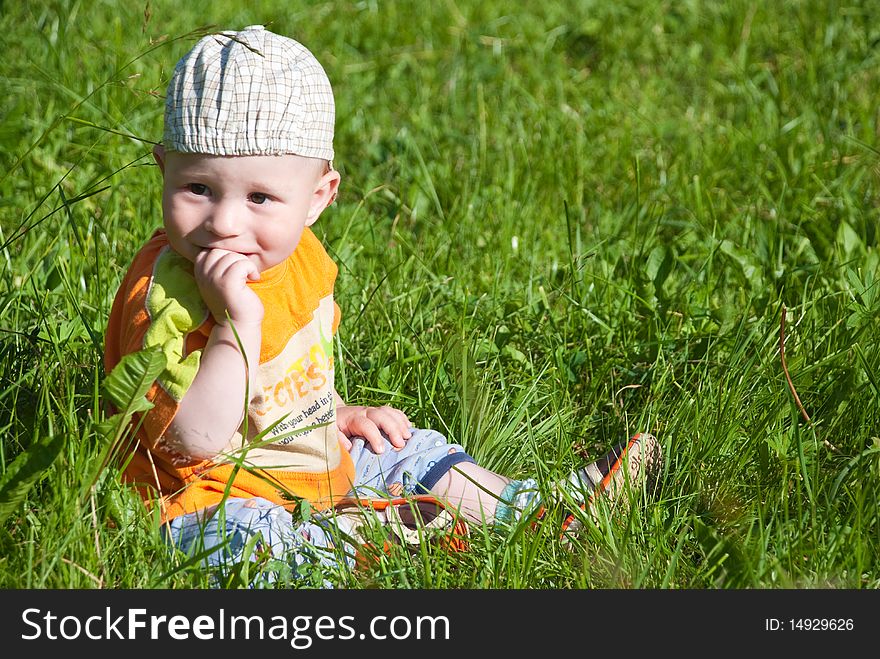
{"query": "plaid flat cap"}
[(246, 93)]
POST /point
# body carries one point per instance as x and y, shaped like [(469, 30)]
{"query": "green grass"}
[(558, 225)]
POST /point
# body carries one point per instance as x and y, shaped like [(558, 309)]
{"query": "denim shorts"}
[(247, 529)]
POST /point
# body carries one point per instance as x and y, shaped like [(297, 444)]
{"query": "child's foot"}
[(626, 465), (409, 522)]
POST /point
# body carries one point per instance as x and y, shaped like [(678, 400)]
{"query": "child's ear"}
[(159, 156), (324, 195)]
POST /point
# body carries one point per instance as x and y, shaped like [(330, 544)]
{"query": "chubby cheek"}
[(278, 244), (177, 230)]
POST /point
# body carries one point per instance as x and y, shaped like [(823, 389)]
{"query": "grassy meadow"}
[(560, 223)]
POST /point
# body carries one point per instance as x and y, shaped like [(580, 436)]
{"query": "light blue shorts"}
[(248, 530)]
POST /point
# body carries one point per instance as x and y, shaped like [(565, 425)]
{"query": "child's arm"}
[(214, 405), (369, 423)]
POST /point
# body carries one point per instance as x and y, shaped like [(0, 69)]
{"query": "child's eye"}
[(198, 189), (258, 198)]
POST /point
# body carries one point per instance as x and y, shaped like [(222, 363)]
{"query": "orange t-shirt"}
[(287, 447)]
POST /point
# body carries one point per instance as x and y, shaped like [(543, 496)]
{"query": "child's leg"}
[(483, 496), (414, 469), (428, 464), (472, 490)]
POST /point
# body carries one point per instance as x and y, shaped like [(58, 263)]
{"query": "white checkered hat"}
[(247, 93)]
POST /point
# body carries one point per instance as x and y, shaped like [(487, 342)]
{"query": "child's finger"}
[(397, 433), (361, 426), (393, 423), (218, 262), (205, 261), (210, 264), (240, 267), (374, 437), (399, 418), (406, 425), (396, 437)]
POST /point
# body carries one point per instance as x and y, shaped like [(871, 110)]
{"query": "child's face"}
[(257, 206)]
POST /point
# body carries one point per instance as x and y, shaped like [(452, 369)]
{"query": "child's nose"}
[(223, 220)]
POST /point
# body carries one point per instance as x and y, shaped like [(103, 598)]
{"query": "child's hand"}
[(222, 278), (369, 423)]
